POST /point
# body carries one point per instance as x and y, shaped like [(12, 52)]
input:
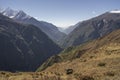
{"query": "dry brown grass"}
[(30, 76), (101, 64)]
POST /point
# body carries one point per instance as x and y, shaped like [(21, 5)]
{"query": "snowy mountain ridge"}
[(115, 11), (14, 14), (22, 15), (48, 28)]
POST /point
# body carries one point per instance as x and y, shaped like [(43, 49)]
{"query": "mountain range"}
[(27, 44), (92, 29), (95, 60), (23, 47), (85, 33), (48, 28)]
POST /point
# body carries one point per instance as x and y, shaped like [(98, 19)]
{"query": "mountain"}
[(71, 28), (9, 12), (93, 29), (115, 11), (94, 60), (21, 16), (61, 29), (23, 47), (51, 30)]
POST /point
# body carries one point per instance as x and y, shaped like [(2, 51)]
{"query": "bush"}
[(69, 71), (101, 64), (87, 78), (3, 73), (91, 57)]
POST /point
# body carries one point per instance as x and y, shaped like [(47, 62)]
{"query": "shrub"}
[(69, 71), (102, 64), (91, 57), (3, 73), (87, 78)]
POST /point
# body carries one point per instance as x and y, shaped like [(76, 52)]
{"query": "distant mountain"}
[(61, 29), (97, 59), (71, 28), (93, 28), (115, 11), (51, 30), (23, 47), (9, 12), (21, 16)]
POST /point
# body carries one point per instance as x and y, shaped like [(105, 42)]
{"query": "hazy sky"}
[(62, 12)]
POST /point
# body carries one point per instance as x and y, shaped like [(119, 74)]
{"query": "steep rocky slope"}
[(48, 28), (92, 29), (23, 47)]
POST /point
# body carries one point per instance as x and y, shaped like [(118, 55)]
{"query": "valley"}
[(96, 63), (31, 49)]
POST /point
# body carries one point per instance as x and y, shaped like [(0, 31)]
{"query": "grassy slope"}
[(100, 61), (104, 51), (70, 53)]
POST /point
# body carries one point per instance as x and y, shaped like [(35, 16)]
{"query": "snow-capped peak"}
[(14, 14), (22, 15), (9, 12), (115, 11)]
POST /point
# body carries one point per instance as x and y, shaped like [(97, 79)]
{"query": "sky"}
[(62, 13)]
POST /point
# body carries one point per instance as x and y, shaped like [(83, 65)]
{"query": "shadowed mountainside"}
[(48, 28), (23, 47)]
